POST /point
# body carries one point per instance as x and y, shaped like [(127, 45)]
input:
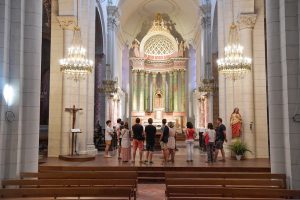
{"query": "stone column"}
[(175, 91), (171, 93), (211, 107), (182, 77), (112, 18), (134, 90), (154, 86), (163, 87), (141, 91), (146, 91), (67, 23), (246, 23), (20, 67)]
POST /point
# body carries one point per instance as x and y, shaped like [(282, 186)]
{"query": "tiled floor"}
[(180, 161), (151, 192)]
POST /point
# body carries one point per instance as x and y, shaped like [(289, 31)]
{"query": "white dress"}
[(171, 139), (125, 138)]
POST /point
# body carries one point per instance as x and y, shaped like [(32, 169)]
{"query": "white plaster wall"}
[(64, 93), (260, 89), (233, 94), (20, 66)]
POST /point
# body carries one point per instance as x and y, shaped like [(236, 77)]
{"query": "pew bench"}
[(178, 192), (74, 192)]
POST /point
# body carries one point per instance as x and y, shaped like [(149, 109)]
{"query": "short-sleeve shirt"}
[(165, 133), (138, 130), (190, 134), (220, 132), (150, 133), (108, 132), (118, 128)]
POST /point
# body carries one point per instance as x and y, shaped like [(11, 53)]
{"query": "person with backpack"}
[(164, 140)]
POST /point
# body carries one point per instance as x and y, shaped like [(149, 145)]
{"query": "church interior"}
[(78, 76)]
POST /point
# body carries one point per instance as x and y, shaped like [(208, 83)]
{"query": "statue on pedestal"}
[(136, 48), (236, 123)]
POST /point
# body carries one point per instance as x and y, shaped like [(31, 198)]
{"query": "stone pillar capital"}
[(112, 17), (67, 22), (246, 21)]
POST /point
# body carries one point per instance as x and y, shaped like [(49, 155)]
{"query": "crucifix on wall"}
[(74, 110)]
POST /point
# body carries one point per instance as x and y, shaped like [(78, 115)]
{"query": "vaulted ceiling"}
[(184, 13)]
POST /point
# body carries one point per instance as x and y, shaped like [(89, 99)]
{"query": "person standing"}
[(109, 131), (138, 139), (210, 138), (164, 140), (119, 136), (150, 131), (190, 137), (171, 141), (220, 138), (125, 143)]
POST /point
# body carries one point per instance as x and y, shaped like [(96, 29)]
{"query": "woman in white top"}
[(210, 137), (125, 143), (109, 131), (171, 141)]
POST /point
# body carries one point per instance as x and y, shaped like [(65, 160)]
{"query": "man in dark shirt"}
[(150, 131), (138, 139), (220, 138), (164, 140)]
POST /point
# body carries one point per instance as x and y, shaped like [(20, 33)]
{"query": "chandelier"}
[(109, 86), (234, 65), (208, 86), (76, 65)]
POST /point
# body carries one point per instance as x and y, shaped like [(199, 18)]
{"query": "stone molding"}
[(67, 22), (246, 21)]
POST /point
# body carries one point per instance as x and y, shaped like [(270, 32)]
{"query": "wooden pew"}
[(219, 193), (81, 175), (108, 193), (85, 175), (32, 183), (221, 175), (254, 183)]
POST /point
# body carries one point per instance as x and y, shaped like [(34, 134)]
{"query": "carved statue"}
[(236, 123), (180, 49), (158, 99), (136, 48)]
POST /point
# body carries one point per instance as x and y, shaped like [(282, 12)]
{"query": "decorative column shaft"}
[(246, 23), (171, 93), (163, 87), (134, 90), (146, 91), (112, 18), (175, 91), (182, 77), (141, 90), (154, 86)]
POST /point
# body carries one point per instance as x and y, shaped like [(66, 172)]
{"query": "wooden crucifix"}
[(73, 110)]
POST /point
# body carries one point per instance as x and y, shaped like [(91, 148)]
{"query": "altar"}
[(159, 76)]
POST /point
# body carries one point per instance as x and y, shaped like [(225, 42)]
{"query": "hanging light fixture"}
[(76, 65), (234, 65), (109, 86)]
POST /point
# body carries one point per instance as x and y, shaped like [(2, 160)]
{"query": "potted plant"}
[(239, 148)]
